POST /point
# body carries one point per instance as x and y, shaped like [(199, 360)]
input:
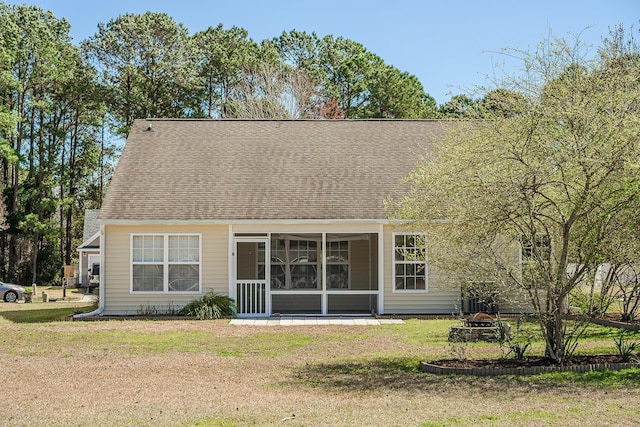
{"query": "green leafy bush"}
[(519, 348), (210, 306), (626, 346)]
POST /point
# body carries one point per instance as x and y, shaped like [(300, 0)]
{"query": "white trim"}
[(286, 222), (103, 270), (324, 298), (319, 292), (231, 270), (393, 266), (381, 269), (266, 232), (86, 242), (101, 286), (267, 271), (165, 263), (311, 228)]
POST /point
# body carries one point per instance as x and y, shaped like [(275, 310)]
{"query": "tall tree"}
[(222, 57), (548, 179), (48, 100), (148, 66), (348, 71), (357, 82), (460, 107), (500, 102), (34, 50), (396, 94), (81, 106), (273, 92)]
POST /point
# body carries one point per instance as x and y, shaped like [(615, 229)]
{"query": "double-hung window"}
[(165, 263), (409, 262), (536, 249)]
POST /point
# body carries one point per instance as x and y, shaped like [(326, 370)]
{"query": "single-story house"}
[(89, 250), (284, 216)]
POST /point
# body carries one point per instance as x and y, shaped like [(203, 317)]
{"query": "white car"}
[(10, 293)]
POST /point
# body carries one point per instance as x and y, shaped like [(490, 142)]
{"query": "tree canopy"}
[(551, 171), (64, 108)]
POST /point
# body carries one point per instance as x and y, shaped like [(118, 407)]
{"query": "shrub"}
[(626, 347), (210, 306), (519, 348)]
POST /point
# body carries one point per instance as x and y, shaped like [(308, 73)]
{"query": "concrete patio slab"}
[(315, 321)]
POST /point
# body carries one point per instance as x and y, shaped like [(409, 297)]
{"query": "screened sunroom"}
[(306, 273)]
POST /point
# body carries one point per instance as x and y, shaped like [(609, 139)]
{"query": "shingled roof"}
[(183, 169), (91, 225)]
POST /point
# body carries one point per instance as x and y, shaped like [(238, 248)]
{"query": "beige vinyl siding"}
[(116, 273), (438, 299), (518, 301)]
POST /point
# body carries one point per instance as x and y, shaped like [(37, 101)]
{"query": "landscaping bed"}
[(527, 366)]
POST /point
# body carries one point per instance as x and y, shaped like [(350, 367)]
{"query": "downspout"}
[(100, 309)]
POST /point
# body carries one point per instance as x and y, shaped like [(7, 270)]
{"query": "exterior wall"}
[(116, 273), (517, 301), (438, 299), (215, 264)]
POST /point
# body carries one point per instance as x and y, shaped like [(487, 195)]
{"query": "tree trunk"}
[(34, 260), (554, 337)]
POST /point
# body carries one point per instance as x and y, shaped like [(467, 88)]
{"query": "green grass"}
[(42, 312), (414, 334), (598, 379), (132, 342)]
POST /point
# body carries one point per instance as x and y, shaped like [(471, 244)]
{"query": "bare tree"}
[(269, 91)]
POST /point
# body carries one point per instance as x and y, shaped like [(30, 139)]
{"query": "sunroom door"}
[(251, 273)]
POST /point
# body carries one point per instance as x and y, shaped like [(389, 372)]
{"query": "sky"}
[(452, 47)]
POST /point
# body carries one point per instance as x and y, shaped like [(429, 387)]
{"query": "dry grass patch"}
[(209, 373)]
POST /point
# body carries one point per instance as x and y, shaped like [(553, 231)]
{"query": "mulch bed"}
[(527, 366), (526, 362)]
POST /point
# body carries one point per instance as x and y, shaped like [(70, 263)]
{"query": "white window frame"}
[(405, 262), (166, 263), (542, 243)]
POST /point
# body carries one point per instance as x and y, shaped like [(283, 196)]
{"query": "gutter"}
[(96, 312)]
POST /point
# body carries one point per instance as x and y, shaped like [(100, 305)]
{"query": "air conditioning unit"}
[(477, 298)]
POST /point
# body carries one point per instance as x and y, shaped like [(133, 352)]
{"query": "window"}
[(409, 262), (538, 249), (165, 263)]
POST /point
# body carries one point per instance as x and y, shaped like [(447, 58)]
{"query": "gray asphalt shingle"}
[(200, 169)]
